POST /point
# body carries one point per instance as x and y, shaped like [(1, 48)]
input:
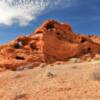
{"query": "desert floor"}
[(74, 81)]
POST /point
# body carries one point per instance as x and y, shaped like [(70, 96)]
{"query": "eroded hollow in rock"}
[(17, 46), (58, 33), (20, 44), (86, 51), (39, 32), (61, 36), (83, 40), (50, 26), (24, 42), (20, 58), (33, 47), (98, 51)]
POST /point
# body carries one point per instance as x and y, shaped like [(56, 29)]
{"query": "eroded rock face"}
[(51, 42)]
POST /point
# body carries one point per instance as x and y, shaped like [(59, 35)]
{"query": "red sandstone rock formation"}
[(95, 38), (51, 42)]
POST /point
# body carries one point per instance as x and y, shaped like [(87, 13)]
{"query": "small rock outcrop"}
[(52, 41)]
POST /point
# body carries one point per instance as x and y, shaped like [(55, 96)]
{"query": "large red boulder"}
[(52, 41)]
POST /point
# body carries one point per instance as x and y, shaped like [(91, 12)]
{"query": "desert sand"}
[(60, 81)]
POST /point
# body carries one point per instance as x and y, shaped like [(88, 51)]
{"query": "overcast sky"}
[(24, 16)]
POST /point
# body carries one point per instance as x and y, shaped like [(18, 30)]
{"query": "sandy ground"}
[(75, 81)]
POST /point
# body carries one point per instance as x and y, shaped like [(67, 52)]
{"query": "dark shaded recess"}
[(50, 26), (98, 52), (17, 46), (89, 49), (83, 40), (21, 43), (61, 36), (24, 42), (58, 33), (86, 50), (33, 47), (39, 32), (20, 58)]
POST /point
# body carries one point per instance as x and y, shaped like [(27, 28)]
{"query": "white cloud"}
[(24, 11)]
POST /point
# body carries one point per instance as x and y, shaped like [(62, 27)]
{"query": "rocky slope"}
[(52, 41)]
